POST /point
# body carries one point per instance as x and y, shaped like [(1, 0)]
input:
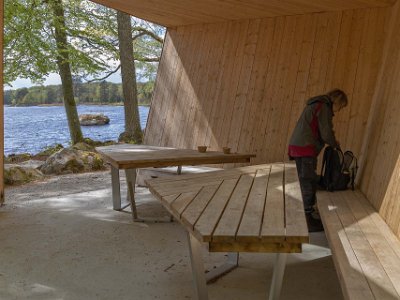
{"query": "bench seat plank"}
[(253, 214), (376, 263), (180, 203), (385, 230), (193, 211), (208, 220), (230, 220), (377, 278), (296, 231), (273, 227), (352, 280), (387, 256)]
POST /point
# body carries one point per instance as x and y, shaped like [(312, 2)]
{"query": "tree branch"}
[(105, 77), (143, 31), (149, 59)]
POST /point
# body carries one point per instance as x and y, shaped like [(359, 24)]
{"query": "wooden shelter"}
[(237, 73)]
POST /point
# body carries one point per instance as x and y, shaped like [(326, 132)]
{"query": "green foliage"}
[(30, 48), (85, 93), (29, 44)]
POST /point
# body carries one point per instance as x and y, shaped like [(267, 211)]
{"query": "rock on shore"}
[(81, 157), (19, 174), (93, 119), (71, 160)]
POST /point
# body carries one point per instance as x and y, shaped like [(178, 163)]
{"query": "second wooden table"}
[(130, 157)]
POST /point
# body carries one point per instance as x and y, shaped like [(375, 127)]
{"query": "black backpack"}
[(338, 169)]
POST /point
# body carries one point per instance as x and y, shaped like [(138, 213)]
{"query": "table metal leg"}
[(131, 182), (115, 186), (232, 263), (196, 259), (179, 170), (277, 278)]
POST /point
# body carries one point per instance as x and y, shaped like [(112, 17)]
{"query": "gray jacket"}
[(314, 128)]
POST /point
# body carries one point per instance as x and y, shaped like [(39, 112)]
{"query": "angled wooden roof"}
[(171, 13)]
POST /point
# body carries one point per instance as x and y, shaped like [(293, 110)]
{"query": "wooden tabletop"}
[(248, 209), (128, 156)]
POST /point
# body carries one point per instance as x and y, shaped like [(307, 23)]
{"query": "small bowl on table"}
[(202, 149), (226, 150)]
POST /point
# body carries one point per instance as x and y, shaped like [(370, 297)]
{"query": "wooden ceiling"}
[(172, 13)]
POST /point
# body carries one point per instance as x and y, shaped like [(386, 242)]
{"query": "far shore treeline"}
[(85, 93)]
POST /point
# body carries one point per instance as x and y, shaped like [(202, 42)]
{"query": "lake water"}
[(31, 129)]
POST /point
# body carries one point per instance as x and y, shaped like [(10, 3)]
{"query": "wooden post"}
[(1, 106)]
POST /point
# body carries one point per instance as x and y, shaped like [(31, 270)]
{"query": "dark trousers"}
[(307, 172)]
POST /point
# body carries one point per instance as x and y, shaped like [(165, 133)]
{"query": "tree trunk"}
[(133, 132), (1, 109), (65, 71)]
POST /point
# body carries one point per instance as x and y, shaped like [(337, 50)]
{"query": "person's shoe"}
[(313, 224), (315, 215)]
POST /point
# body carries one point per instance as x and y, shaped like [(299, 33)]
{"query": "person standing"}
[(313, 130)]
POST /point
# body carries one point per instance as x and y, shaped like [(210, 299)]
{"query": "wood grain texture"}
[(245, 208), (380, 174), (364, 248), (348, 268), (128, 156), (243, 84), (296, 230), (255, 247), (174, 13)]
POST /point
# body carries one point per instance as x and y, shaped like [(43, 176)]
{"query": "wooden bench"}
[(248, 209), (365, 251)]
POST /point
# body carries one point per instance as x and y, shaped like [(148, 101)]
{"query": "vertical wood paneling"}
[(243, 93), (234, 83), (381, 170), (207, 62), (306, 52), (288, 86), (257, 86), (166, 86), (212, 85), (182, 102), (244, 83), (275, 87), (265, 142), (231, 46), (192, 77)]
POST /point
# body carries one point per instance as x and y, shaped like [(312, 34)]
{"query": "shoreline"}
[(79, 104)]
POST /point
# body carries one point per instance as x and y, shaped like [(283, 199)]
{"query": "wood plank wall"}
[(243, 84), (381, 177)]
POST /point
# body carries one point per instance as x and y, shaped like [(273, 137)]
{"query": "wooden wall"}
[(381, 177), (244, 83)]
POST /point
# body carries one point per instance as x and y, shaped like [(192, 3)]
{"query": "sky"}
[(53, 78)]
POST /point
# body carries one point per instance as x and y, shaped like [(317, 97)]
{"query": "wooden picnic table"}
[(130, 157), (248, 209)]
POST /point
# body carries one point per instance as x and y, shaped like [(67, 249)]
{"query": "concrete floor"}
[(60, 239)]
